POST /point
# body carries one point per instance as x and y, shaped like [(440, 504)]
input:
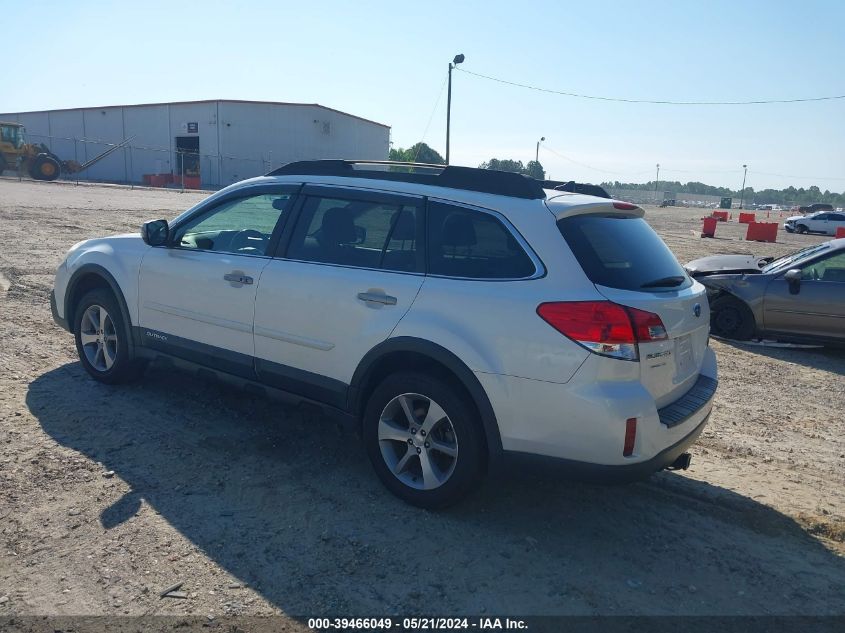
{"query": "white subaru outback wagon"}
[(458, 317)]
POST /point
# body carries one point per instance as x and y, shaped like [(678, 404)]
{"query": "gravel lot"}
[(108, 495)]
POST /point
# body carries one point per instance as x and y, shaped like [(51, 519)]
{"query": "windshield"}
[(787, 260)]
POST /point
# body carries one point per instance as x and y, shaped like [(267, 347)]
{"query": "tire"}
[(731, 318), (102, 342), (788, 230), (45, 167), (802, 229), (399, 449)]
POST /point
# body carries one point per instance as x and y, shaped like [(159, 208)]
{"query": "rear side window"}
[(622, 252), (473, 244), (356, 233)]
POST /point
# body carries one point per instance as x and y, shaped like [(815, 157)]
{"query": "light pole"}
[(458, 60), (656, 180), (742, 192), (537, 153)]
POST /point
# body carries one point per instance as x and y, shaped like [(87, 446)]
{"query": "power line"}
[(685, 171), (764, 173), (651, 101), (606, 171), (430, 118), (702, 171)]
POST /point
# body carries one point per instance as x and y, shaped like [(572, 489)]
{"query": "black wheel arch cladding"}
[(72, 296), (442, 356)]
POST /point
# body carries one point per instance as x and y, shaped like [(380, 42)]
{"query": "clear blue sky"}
[(387, 61)]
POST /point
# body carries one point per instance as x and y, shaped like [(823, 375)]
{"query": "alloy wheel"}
[(98, 337), (418, 441)]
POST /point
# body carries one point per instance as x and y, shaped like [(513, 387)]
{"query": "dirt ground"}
[(109, 495)]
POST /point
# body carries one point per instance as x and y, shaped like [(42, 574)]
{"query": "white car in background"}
[(825, 222)]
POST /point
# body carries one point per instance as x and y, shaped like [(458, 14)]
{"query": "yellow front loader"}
[(37, 160)]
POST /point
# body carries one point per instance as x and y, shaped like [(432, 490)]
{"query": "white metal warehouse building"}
[(214, 142)]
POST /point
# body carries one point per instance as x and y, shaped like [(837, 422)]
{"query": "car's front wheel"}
[(802, 228), (424, 439), (731, 318), (102, 341)]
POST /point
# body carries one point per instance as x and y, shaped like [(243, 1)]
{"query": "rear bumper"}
[(581, 424), (59, 320), (601, 473)]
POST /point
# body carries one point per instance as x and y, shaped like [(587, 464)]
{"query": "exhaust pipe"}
[(682, 462)]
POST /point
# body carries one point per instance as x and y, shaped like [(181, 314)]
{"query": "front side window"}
[(360, 233), (473, 244), (242, 226), (831, 268)]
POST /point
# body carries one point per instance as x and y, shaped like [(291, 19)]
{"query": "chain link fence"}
[(138, 164)]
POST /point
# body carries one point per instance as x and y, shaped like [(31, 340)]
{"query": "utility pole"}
[(458, 60), (537, 153), (656, 180), (742, 192)]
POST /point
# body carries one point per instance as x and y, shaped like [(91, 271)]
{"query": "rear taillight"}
[(604, 327), (647, 325)]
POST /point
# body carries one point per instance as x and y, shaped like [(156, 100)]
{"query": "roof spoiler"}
[(576, 187)]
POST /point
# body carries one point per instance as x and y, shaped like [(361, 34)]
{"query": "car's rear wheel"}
[(731, 318), (424, 439), (102, 341)]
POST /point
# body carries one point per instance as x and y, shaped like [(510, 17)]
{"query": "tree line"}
[(789, 195), (422, 153)]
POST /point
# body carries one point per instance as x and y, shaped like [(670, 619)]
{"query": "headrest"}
[(458, 230), (404, 225), (338, 226)]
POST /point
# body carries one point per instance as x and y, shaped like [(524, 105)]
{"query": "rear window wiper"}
[(665, 282)]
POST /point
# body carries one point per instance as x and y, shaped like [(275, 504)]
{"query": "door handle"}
[(373, 297), (238, 279)]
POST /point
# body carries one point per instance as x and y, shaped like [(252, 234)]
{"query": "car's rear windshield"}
[(622, 252)]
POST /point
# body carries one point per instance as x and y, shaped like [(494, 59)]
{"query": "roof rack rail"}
[(501, 183)]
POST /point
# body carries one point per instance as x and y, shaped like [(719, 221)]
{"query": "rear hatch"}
[(631, 266)]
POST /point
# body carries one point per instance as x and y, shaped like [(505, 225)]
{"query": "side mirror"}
[(793, 278), (155, 232)]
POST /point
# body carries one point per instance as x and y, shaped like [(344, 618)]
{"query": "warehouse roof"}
[(141, 105)]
